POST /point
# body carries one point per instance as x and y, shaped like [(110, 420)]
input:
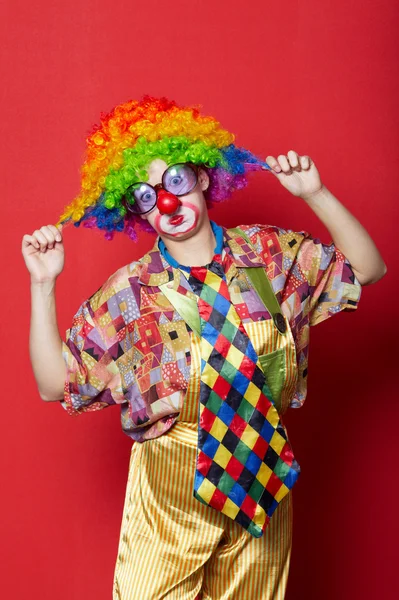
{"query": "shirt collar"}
[(155, 269), (242, 254), (218, 232)]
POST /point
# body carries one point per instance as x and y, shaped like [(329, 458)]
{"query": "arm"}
[(348, 235), (300, 176), (43, 252), (45, 343)]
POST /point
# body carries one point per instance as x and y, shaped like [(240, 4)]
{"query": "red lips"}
[(176, 220)]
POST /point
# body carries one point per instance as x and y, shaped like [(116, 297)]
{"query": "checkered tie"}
[(245, 465)]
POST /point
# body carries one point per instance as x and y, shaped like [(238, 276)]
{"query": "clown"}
[(203, 342)]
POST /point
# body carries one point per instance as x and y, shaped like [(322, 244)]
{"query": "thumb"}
[(60, 235), (277, 174), (272, 170)]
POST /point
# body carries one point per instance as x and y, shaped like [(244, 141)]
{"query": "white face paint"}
[(190, 214), (182, 221)]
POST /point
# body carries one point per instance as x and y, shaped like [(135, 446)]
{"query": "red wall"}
[(316, 77)]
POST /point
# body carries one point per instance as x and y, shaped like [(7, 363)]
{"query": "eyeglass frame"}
[(159, 186)]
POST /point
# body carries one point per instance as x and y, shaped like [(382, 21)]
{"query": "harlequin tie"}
[(245, 465)]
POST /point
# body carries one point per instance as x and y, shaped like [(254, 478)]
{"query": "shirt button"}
[(280, 323)]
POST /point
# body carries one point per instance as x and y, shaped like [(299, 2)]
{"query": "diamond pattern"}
[(245, 464)]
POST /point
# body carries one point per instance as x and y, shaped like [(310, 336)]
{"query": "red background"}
[(315, 77)]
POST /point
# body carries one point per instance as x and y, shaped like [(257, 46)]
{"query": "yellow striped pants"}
[(174, 547)]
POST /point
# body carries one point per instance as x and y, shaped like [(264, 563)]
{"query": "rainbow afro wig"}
[(129, 138)]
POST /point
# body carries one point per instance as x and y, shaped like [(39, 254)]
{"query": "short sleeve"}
[(93, 380), (324, 276), (314, 280)]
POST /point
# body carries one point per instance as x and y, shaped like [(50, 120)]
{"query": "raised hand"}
[(298, 174), (43, 252)]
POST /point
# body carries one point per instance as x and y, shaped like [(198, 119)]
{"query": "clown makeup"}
[(184, 220), (183, 183)]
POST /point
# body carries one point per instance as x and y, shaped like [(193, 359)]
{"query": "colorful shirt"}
[(128, 346)]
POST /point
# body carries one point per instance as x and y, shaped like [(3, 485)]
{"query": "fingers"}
[(293, 159), (288, 163), (305, 161), (56, 231), (30, 240), (45, 237)]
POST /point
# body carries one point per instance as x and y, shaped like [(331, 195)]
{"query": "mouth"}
[(176, 220)]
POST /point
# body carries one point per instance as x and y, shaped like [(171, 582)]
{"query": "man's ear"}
[(203, 179)]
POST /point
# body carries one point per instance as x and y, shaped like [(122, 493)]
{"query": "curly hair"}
[(129, 138)]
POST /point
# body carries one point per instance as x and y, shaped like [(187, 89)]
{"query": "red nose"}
[(167, 203)]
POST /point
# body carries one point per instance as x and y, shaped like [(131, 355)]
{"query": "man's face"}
[(190, 214)]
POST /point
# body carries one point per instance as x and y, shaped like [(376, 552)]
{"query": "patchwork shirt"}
[(127, 345)]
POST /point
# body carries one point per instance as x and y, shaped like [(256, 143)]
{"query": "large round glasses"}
[(179, 179)]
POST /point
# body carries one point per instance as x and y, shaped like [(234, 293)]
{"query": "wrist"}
[(46, 285), (315, 195)]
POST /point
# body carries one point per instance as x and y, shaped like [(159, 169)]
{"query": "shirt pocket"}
[(274, 366), (277, 357)]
